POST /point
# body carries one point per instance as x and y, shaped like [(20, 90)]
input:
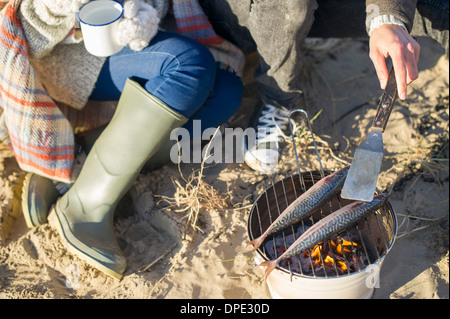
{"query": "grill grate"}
[(375, 233)]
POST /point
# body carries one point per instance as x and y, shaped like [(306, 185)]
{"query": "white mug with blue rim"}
[(99, 22)]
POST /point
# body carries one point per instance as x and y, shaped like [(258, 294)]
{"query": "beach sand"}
[(168, 258)]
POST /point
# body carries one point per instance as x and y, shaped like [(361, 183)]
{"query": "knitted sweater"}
[(403, 10)]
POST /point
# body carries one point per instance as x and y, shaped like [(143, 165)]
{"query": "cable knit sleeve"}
[(403, 10), (47, 22)]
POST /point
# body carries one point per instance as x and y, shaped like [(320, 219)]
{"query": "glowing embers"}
[(334, 257)]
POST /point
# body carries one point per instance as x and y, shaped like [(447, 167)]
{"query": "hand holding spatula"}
[(362, 177)]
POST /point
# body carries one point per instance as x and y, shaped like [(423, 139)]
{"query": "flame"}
[(325, 254), (344, 246)]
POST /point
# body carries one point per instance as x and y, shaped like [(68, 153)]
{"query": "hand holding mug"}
[(108, 25)]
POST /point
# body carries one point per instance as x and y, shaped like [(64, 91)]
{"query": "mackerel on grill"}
[(328, 227), (310, 201)]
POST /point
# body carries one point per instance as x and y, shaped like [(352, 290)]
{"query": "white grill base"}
[(360, 285)]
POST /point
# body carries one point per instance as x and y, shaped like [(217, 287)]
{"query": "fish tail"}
[(271, 265), (256, 243)]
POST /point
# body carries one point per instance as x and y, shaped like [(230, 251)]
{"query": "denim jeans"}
[(180, 72), (276, 29)]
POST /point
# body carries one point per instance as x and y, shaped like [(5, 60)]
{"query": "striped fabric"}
[(39, 134), (192, 22)]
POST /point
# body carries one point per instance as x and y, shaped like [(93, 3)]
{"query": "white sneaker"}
[(262, 154)]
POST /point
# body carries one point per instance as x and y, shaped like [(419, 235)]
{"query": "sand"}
[(168, 258)]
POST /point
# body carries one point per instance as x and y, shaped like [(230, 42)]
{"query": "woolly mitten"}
[(139, 24)]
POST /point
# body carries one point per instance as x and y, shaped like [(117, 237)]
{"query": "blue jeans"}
[(180, 72)]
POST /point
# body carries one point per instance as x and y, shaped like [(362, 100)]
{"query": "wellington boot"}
[(38, 195), (84, 215), (160, 158)]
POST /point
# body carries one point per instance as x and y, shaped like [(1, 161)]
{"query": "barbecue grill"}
[(354, 274)]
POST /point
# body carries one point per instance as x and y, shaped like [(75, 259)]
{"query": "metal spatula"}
[(362, 177)]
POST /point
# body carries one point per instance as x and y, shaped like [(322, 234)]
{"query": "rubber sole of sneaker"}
[(254, 163)]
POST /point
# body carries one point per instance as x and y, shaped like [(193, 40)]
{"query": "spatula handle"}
[(386, 104)]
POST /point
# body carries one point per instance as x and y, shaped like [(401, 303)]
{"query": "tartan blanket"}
[(193, 23), (33, 125), (40, 136)]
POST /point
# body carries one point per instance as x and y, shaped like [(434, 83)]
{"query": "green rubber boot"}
[(84, 215), (38, 196)]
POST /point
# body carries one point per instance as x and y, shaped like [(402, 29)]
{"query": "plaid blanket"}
[(39, 134), (36, 129), (193, 23)]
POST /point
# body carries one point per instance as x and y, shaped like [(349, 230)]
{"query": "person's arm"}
[(47, 22), (389, 24)]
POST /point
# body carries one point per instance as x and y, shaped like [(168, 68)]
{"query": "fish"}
[(327, 227), (306, 204)]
